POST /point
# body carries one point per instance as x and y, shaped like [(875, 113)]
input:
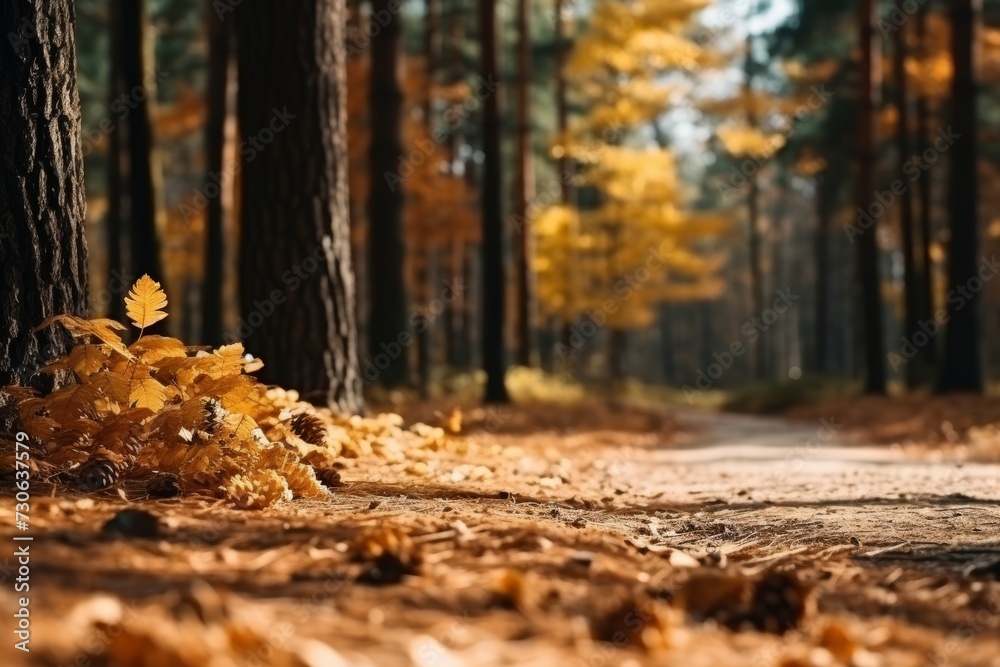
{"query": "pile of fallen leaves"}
[(185, 419)]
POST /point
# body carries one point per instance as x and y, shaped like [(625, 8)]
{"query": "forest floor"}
[(587, 534)]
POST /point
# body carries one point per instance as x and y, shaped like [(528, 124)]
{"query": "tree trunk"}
[(387, 297), (524, 192), (296, 283), (432, 54), (145, 177), (924, 194), (668, 345), (215, 142), (428, 263), (43, 251), (113, 227), (565, 162), (617, 346), (913, 313), (912, 303), (961, 368), (753, 219), (868, 258), (494, 302), (821, 249)]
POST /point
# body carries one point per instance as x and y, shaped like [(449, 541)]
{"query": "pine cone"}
[(134, 440), (97, 475), (214, 414), (310, 428), (329, 477), (164, 485)]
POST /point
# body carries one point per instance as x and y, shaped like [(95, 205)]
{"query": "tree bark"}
[(43, 251), (524, 192), (924, 194), (821, 250), (113, 226), (296, 283), (565, 162), (215, 142), (911, 282), (868, 258), (145, 177), (753, 218), (961, 368), (494, 302), (428, 263), (387, 296)]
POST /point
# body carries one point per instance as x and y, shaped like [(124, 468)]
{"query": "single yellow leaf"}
[(147, 393), (145, 302)]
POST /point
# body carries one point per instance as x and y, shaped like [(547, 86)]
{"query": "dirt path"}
[(570, 532)]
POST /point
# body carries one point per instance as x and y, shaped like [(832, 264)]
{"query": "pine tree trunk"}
[(113, 228), (145, 177), (961, 368), (43, 251), (428, 262), (524, 192), (387, 314), (566, 165), (296, 283), (868, 259), (822, 259), (668, 344), (494, 301), (913, 312), (215, 142), (753, 218), (924, 194)]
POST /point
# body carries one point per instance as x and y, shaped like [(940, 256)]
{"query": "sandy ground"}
[(553, 540)]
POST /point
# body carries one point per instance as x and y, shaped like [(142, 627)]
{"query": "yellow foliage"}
[(637, 246), (741, 140), (159, 406)]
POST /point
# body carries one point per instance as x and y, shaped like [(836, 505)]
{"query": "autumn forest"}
[(500, 332)]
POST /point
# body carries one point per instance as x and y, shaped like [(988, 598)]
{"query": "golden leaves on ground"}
[(145, 302), (201, 626), (160, 407)]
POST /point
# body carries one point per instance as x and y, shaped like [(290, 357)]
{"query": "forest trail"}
[(777, 460), (540, 538)]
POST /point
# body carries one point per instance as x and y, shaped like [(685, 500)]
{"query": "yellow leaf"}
[(145, 302), (101, 328), (146, 393), (114, 386), (151, 349)]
